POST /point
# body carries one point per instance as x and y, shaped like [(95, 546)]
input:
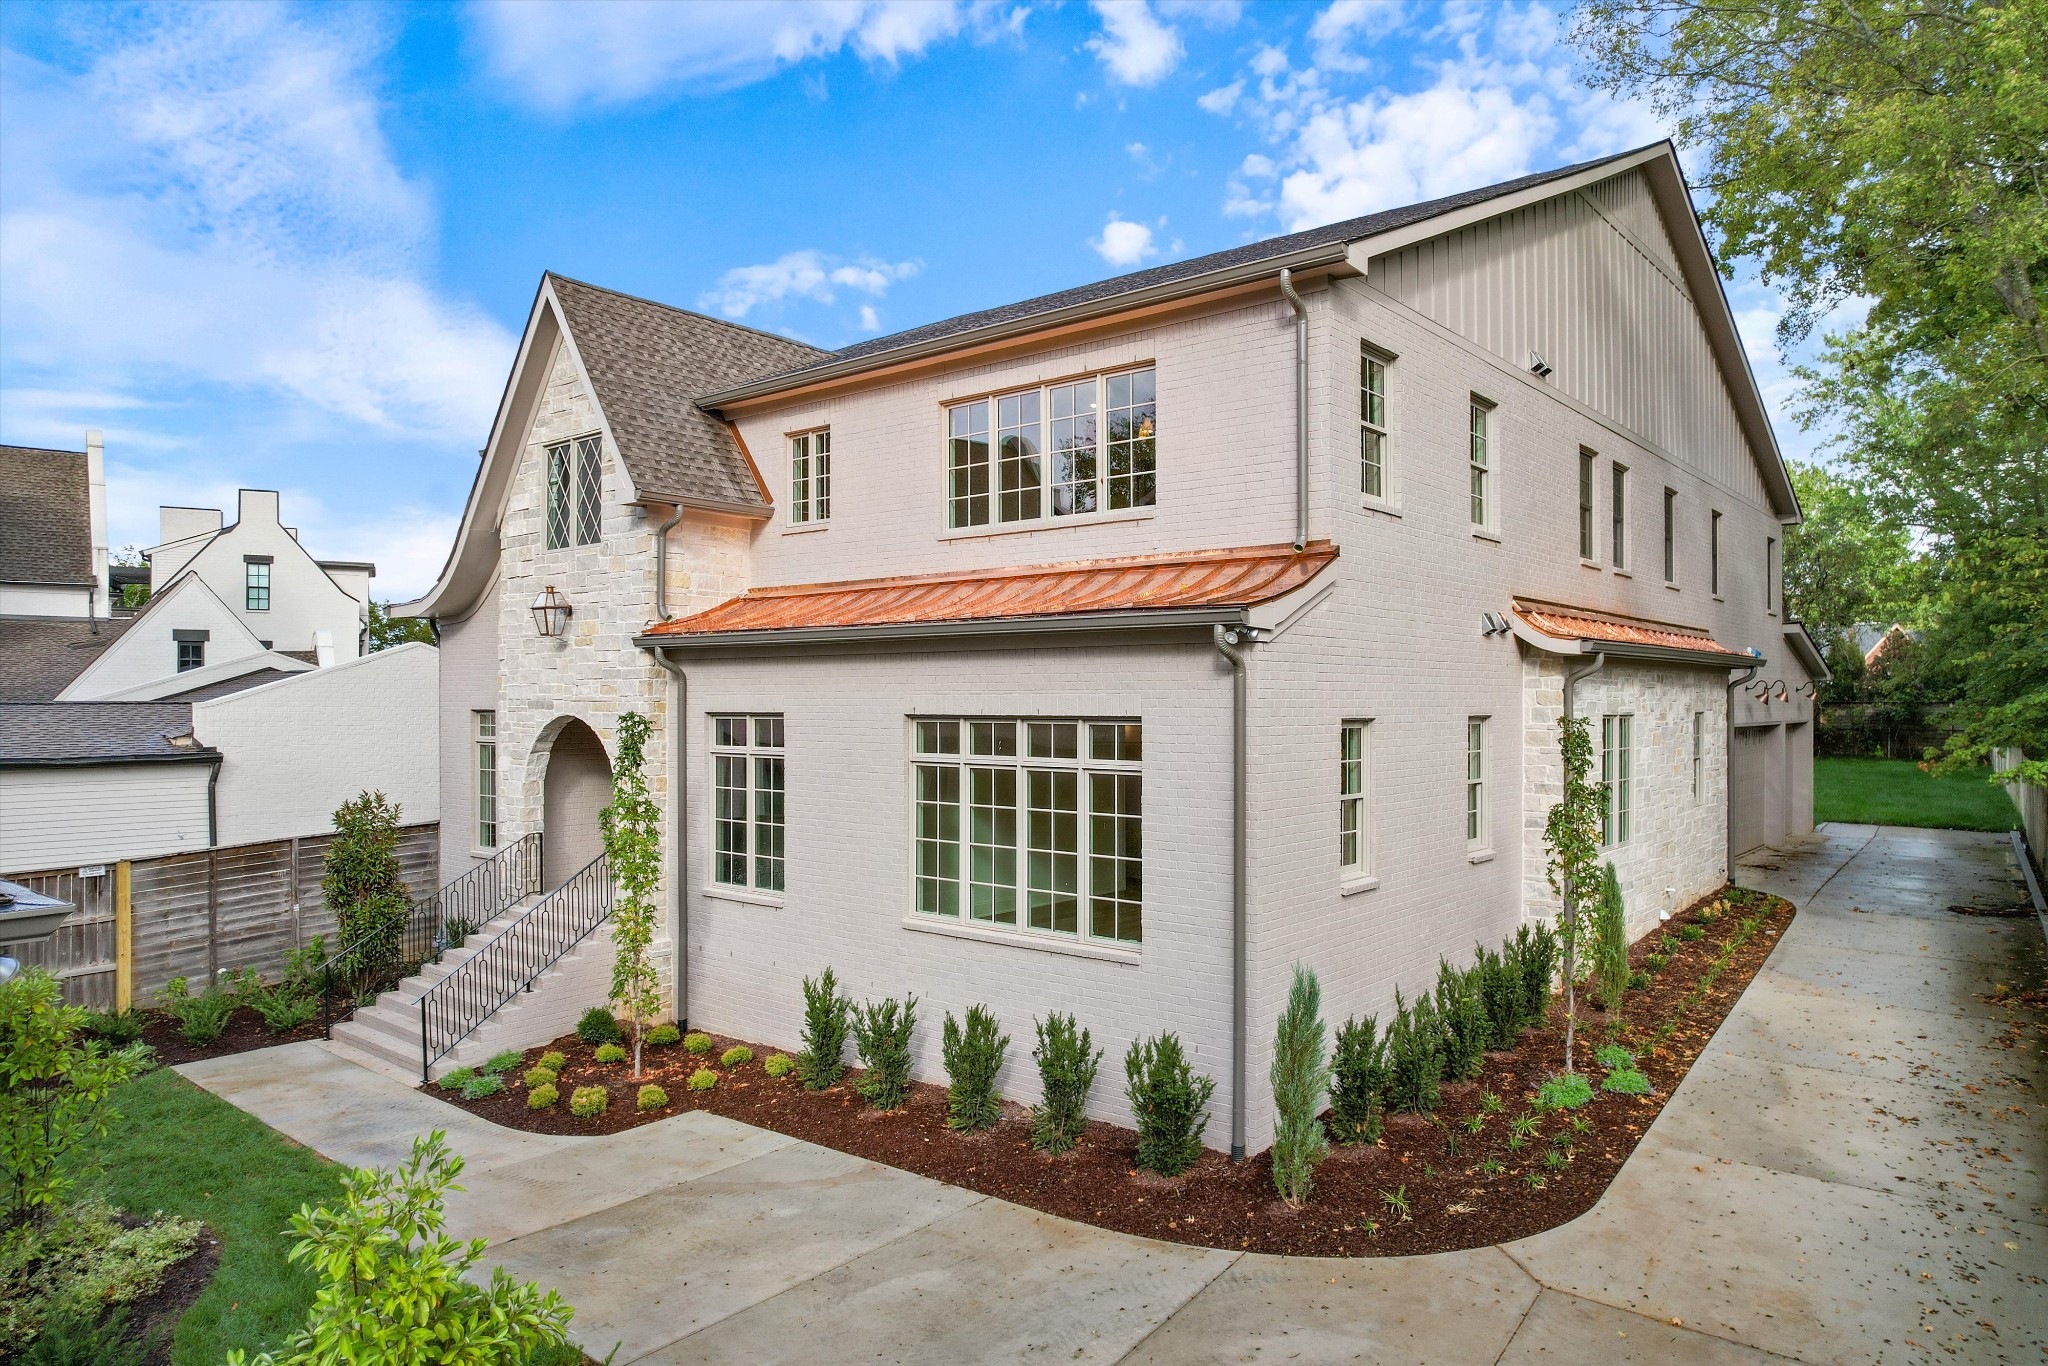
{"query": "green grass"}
[(178, 1149), (1896, 792)]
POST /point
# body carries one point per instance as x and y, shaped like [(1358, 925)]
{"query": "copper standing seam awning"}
[(1564, 629), (1154, 590)]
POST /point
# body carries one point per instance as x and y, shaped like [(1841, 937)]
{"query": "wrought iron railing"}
[(380, 958), (510, 960)]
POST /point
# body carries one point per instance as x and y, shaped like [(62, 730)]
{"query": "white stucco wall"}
[(57, 817), (40, 600)]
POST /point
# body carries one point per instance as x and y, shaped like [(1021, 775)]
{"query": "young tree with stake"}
[(632, 845), (1572, 835)]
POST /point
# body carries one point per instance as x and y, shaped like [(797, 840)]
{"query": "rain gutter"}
[(1227, 643), (1157, 619), (1728, 762)]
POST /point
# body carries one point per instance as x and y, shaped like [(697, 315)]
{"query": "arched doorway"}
[(577, 786)]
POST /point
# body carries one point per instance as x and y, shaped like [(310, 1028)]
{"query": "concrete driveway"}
[(1856, 1170)]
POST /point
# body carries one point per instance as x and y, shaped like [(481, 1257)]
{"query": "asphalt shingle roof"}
[(42, 734), (39, 656), (45, 516), (647, 362)]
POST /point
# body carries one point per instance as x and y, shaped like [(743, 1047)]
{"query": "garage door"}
[(1757, 786)]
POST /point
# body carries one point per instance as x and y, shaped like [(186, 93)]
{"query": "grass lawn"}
[(1896, 792)]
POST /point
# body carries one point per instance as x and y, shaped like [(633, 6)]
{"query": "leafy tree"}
[(1851, 561), (361, 881), (1572, 835), (632, 846), (1991, 638), (386, 630)]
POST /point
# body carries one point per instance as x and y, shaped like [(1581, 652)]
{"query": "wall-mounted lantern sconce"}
[(551, 612)]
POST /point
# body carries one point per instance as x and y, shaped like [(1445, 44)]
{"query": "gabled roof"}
[(45, 516), (40, 656), (68, 734), (647, 363)]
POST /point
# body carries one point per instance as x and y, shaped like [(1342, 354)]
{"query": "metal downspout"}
[(1728, 764), (661, 566), (1300, 407), (213, 804), (1226, 645)]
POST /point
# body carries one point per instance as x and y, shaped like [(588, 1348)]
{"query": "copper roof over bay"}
[(1202, 579), (1565, 623)]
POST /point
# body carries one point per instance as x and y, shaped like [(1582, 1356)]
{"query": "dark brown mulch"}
[(154, 1318), (1451, 1204), (245, 1031)]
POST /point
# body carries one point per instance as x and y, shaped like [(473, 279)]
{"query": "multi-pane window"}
[(1031, 824), (1060, 450), (810, 477), (256, 585), (1770, 573), (1670, 535), (1620, 520), (486, 779), (1699, 755), (1714, 553), (1372, 425), (1481, 458), (191, 655), (747, 793), (1587, 550), (1354, 798), (1614, 771), (575, 492), (1475, 782)]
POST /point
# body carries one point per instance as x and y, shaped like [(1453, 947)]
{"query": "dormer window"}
[(575, 491), (810, 477), (1059, 450)]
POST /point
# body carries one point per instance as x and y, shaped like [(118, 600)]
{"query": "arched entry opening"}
[(577, 786)]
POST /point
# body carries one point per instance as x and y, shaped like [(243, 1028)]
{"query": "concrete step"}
[(375, 1062), (400, 1053)]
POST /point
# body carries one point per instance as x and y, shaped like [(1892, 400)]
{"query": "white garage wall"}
[(55, 817)]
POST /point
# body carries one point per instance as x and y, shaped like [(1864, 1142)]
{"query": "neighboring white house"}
[(54, 504), (1115, 651)]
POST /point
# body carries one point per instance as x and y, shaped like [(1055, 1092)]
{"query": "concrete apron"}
[(1853, 1171)]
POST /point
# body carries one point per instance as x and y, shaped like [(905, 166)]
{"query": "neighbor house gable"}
[(145, 655)]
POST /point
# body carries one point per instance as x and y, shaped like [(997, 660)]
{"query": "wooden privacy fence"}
[(195, 915)]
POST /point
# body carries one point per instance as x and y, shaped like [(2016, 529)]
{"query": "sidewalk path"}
[(1856, 1170)]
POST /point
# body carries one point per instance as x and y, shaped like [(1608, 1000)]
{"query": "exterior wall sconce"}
[(551, 612)]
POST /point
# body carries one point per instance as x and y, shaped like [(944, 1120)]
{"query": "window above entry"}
[(1058, 450)]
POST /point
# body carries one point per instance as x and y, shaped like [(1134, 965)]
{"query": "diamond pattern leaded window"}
[(589, 490), (559, 493), (575, 511)]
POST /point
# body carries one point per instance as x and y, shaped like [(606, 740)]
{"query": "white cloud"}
[(1124, 243), (1335, 27), (870, 321), (1222, 99), (558, 55), (806, 274), (1209, 13), (1135, 47), (1258, 167)]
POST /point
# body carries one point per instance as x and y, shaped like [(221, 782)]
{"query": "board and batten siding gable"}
[(1589, 281), (56, 817)]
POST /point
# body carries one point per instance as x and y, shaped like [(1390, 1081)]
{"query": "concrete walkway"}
[(1853, 1172)]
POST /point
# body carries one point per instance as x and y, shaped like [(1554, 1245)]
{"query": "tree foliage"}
[(1571, 834), (1850, 561), (386, 630), (631, 823), (362, 884), (1300, 1076)]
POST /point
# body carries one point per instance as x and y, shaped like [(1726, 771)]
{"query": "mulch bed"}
[(153, 1318), (245, 1031), (1434, 1165)]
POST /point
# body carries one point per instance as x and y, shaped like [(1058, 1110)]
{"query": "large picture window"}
[(575, 492), (1059, 450), (747, 847), (1615, 772), (1034, 825)]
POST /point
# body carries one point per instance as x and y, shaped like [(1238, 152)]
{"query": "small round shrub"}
[(541, 1076), (1655, 962), (661, 1036), (697, 1041), (1638, 981), (588, 1101), (1692, 932), (481, 1085), (553, 1061), (703, 1079), (778, 1065), (457, 1079), (1627, 1081), (1567, 1091), (504, 1062), (1613, 1055), (651, 1098), (610, 1052), (597, 1025), (736, 1055), (542, 1096)]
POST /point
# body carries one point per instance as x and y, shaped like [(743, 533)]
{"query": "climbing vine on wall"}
[(632, 846)]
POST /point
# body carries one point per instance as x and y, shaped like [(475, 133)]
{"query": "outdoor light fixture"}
[(551, 612)]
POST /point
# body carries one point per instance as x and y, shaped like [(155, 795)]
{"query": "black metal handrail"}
[(510, 961), (378, 959)]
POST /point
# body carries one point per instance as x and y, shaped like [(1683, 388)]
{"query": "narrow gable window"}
[(1354, 812), (1475, 782), (1699, 755), (1614, 772), (810, 477), (256, 583), (1671, 535), (1587, 550), (575, 508), (747, 794), (1620, 520), (1714, 554), (1481, 458), (1059, 450), (191, 647), (1372, 426), (1770, 573), (486, 779)]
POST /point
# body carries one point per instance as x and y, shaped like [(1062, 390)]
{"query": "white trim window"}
[(1587, 549), (1620, 519), (1475, 783), (255, 583), (1699, 756), (1615, 772), (1671, 536), (1480, 455), (575, 471), (1059, 450), (1771, 575), (747, 788), (1030, 824), (485, 732), (1374, 474), (1714, 554), (810, 477), (1354, 800)]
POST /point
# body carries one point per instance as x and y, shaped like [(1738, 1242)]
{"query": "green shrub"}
[(117, 1027), (1627, 1081), (541, 1076), (80, 1262), (737, 1055), (1692, 933), (76, 1336), (828, 1019), (697, 1041), (1610, 943), (881, 1031), (1067, 1060), (542, 1096), (1567, 1091), (1500, 988), (1300, 1075), (553, 1061), (609, 1053), (1415, 1053), (1637, 981), (1461, 1006), (1535, 951), (1170, 1101), (501, 1063), (663, 1036), (973, 1056), (363, 888), (1613, 1055), (703, 1079), (778, 1065), (456, 1080), (395, 1287), (481, 1085), (282, 1011), (1655, 962), (651, 1097), (587, 1102), (1359, 1076), (597, 1025), (200, 1019)]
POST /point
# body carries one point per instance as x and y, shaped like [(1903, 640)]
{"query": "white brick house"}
[(1114, 651)]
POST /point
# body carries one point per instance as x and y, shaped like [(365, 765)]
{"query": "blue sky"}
[(292, 247)]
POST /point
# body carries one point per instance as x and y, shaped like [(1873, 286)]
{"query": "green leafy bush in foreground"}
[(1067, 1061), (973, 1055), (1170, 1101), (82, 1262)]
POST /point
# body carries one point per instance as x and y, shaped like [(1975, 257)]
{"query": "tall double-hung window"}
[(256, 583), (1373, 440), (1354, 800), (1714, 554), (1671, 535), (1481, 459), (1057, 450), (486, 736), (1620, 517), (810, 477), (575, 492), (1587, 549), (1615, 767), (747, 848), (1475, 782), (1030, 824), (1699, 755)]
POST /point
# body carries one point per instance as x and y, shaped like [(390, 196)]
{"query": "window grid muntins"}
[(1475, 782), (1620, 519), (1615, 766), (1587, 550), (486, 779), (1031, 821), (810, 477), (589, 490), (256, 576), (1372, 426), (747, 784), (1670, 535), (1354, 774), (558, 496), (1482, 503), (1699, 755), (575, 492), (1059, 450), (191, 655)]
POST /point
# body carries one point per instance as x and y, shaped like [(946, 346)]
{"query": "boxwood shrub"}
[(779, 1065), (651, 1098), (610, 1053), (542, 1096), (703, 1079), (737, 1054), (588, 1101)]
